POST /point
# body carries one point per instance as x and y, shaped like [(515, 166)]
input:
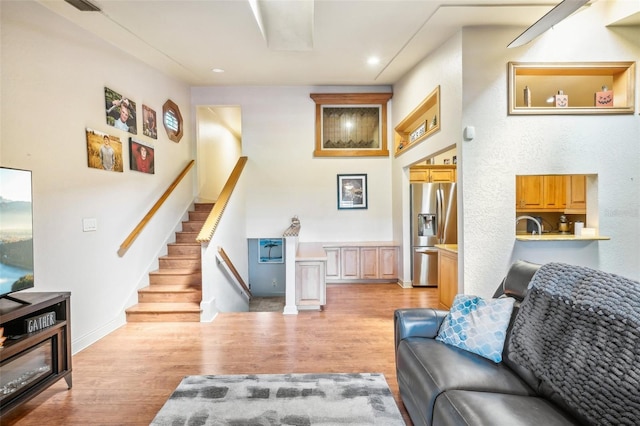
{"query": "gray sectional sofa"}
[(556, 382)]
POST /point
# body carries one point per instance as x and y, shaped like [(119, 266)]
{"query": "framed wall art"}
[(270, 250), (149, 124), (141, 156), (104, 151), (121, 111), (352, 191), (351, 124)]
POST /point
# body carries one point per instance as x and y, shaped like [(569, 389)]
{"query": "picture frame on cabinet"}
[(352, 191), (270, 250), (351, 124)]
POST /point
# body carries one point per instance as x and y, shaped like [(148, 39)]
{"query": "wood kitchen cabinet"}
[(311, 289), (576, 194), (369, 262), (551, 193), (388, 263), (555, 191), (447, 277), (310, 279), (332, 271), (436, 173), (529, 192), (350, 263), (541, 192)]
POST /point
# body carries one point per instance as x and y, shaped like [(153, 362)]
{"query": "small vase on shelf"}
[(527, 96)]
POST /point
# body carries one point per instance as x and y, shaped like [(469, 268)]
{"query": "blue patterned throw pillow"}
[(477, 325)]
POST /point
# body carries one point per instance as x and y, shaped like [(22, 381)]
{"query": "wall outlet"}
[(275, 282)]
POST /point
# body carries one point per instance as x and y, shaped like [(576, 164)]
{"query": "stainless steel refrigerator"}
[(434, 220)]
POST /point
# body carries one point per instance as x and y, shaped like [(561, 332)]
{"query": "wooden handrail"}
[(234, 271), (136, 231), (210, 224)]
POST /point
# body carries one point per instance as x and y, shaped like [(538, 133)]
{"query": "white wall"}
[(283, 177), (52, 82), (219, 293), (508, 145), (218, 150)]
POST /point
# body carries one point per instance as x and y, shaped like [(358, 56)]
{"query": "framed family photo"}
[(352, 191), (120, 110), (141, 156), (104, 151)]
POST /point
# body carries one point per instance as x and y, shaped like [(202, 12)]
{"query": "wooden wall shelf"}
[(420, 124), (579, 81)]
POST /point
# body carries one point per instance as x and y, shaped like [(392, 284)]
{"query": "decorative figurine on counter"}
[(604, 99)]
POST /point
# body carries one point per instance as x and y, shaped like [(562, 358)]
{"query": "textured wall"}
[(608, 146), (472, 70)]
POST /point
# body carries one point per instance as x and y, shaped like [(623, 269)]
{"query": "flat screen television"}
[(16, 231)]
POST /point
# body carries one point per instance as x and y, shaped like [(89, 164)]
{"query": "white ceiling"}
[(187, 38)]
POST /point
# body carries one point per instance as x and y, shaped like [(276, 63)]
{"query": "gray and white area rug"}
[(281, 399)]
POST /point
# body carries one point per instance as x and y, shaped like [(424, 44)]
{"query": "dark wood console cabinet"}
[(33, 359)]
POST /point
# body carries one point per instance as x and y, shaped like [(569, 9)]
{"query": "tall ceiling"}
[(291, 42)]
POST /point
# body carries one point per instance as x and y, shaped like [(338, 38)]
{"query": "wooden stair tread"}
[(185, 256), (161, 307), (175, 288), (203, 206), (175, 271)]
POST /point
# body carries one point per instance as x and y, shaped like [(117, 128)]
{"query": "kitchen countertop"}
[(560, 237), (362, 244), (311, 252), (453, 248)]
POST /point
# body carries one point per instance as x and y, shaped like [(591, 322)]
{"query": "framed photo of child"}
[(141, 156)]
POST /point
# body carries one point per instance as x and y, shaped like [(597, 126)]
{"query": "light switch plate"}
[(89, 224)]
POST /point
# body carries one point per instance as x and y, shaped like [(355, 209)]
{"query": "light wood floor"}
[(125, 378)]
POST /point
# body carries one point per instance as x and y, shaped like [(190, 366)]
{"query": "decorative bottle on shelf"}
[(561, 100), (604, 99), (527, 96)]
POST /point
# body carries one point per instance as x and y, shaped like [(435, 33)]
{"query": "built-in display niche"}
[(571, 88), (557, 202)]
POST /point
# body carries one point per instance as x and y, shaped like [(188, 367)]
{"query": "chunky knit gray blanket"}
[(578, 330)]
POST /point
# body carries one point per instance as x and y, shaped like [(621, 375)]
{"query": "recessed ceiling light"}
[(373, 60), (218, 70)]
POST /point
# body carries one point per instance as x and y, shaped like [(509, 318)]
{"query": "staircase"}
[(175, 289)]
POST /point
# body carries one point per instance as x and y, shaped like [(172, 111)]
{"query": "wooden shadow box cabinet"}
[(37, 352)]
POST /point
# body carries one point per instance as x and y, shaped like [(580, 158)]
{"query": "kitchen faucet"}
[(519, 218)]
